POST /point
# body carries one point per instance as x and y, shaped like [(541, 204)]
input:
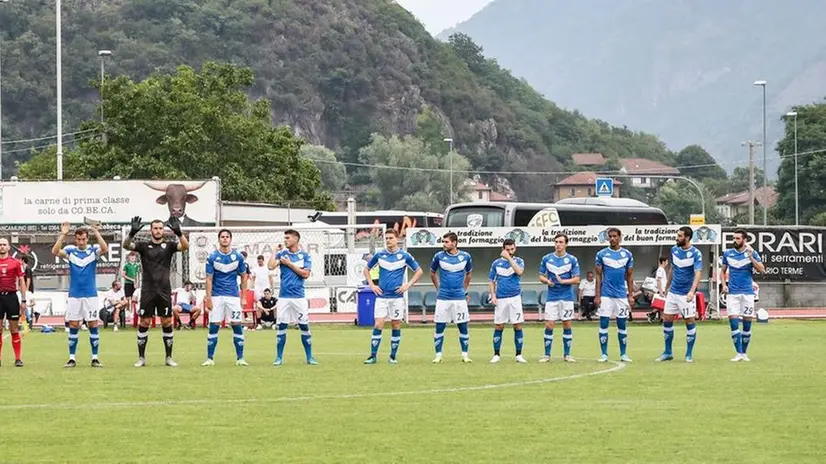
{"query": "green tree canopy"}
[(192, 125), (333, 172), (694, 161), (739, 180), (679, 201)]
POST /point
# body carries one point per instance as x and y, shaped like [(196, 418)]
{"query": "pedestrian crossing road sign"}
[(605, 187)]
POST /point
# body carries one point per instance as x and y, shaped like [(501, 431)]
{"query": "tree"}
[(694, 161), (405, 174), (192, 125), (333, 172), (679, 201), (811, 167), (739, 180)]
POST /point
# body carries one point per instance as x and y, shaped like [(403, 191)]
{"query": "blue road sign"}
[(604, 187)]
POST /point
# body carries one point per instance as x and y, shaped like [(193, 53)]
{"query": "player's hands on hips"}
[(375, 289), (174, 225), (136, 226), (404, 288), (64, 228), (208, 302)]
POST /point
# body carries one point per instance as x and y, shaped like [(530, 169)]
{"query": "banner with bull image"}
[(544, 236), (789, 253), (28, 204)]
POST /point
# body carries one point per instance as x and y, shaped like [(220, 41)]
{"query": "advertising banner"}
[(544, 237), (44, 264), (787, 253)]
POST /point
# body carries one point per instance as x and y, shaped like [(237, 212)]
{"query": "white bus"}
[(567, 213)]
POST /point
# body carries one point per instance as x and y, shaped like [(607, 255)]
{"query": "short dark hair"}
[(267, 290), (186, 282), (742, 232), (508, 242), (156, 221), (663, 259), (563, 236), (229, 232), (614, 229), (293, 232), (391, 232), (115, 282), (81, 231), (244, 254), (451, 236), (25, 259), (260, 257), (687, 232)]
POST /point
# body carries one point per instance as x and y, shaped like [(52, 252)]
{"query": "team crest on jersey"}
[(689, 254), (622, 253), (399, 256), (233, 257), (461, 258), (163, 245), (566, 260)]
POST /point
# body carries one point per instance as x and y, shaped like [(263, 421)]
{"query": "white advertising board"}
[(111, 201), (544, 237)]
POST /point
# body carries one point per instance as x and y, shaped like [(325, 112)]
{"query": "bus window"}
[(476, 216)]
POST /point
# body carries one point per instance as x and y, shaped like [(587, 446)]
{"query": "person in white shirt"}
[(662, 286), (114, 301), (261, 278), (184, 301), (587, 293)]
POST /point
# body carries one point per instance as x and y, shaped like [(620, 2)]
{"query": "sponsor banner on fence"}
[(111, 202), (346, 300), (544, 237), (202, 243), (787, 253), (44, 264), (318, 300), (355, 269)]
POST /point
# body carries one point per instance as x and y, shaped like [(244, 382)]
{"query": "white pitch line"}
[(617, 367)]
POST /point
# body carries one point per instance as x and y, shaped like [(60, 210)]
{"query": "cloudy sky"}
[(438, 15)]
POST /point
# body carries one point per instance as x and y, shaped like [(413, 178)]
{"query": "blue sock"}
[(94, 340), (212, 339), (375, 341), (736, 336), (395, 339), (73, 341), (690, 338), (518, 339), (603, 334), (439, 336), (549, 341), (746, 334), (622, 334), (464, 337), (668, 333), (280, 340), (497, 341), (306, 340), (238, 340), (567, 340)]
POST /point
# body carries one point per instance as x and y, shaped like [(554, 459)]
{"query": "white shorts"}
[(676, 304), (508, 311), (225, 308), (559, 310), (451, 311), (82, 309), (389, 308), (614, 307), (292, 311), (740, 305)]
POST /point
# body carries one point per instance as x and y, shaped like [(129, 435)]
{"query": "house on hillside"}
[(479, 191), (589, 160), (735, 204), (580, 185), (640, 171)]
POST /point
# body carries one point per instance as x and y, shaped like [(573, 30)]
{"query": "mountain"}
[(335, 70), (682, 69)]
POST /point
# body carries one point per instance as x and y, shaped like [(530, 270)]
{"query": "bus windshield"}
[(476, 216)]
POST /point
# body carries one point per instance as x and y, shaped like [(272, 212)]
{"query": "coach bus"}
[(567, 213), (399, 221)]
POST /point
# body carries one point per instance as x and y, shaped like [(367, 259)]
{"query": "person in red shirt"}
[(11, 276)]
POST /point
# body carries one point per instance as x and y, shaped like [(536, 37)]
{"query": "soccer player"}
[(83, 290), (450, 272), (156, 288), (683, 279), (615, 282), (560, 272), (741, 260), (506, 294), (292, 307), (223, 297), (12, 278), (392, 263)]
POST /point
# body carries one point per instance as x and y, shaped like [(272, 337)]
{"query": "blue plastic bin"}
[(366, 302)]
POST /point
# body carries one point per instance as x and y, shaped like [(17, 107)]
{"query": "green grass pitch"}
[(770, 410)]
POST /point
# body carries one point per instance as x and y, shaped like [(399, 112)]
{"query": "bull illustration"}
[(176, 197)]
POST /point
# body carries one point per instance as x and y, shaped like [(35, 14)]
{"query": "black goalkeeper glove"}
[(174, 225), (136, 226)]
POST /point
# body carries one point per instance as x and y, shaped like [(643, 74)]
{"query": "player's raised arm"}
[(103, 247), (135, 227), (516, 263), (57, 249), (174, 225), (272, 263)]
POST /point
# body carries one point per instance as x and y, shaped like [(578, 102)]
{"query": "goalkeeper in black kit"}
[(156, 290)]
